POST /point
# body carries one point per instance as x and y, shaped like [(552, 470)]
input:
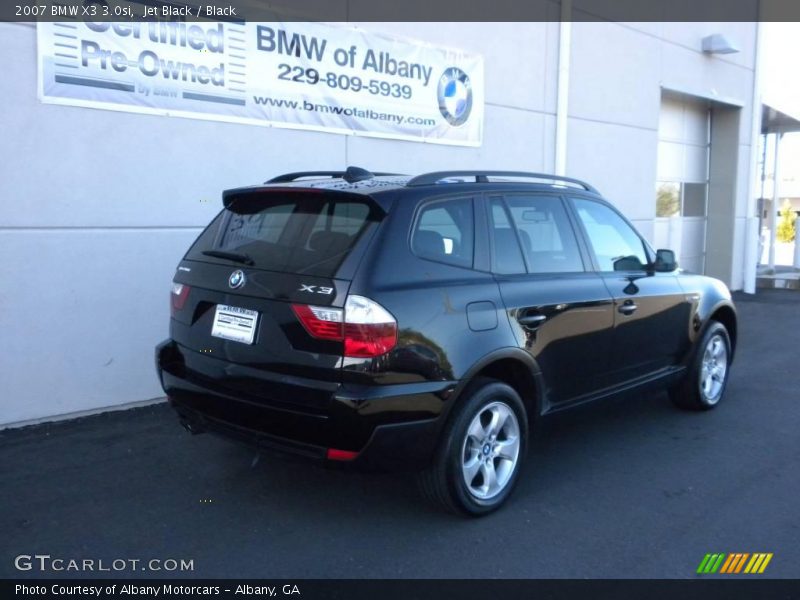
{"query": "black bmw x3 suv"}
[(395, 322)]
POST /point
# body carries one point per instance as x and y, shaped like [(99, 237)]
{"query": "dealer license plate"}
[(234, 323)]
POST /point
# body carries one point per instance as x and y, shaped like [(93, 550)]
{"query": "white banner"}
[(299, 75)]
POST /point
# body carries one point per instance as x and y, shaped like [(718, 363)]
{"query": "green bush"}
[(785, 230)]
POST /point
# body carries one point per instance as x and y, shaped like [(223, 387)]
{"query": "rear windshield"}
[(294, 233)]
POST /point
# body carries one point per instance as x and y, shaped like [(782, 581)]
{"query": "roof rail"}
[(351, 175), (483, 177)]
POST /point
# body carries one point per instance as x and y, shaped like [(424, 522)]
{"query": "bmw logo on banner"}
[(455, 96)]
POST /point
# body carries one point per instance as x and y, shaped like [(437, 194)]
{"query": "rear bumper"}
[(392, 427)]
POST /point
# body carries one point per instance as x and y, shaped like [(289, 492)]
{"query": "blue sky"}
[(780, 65), (780, 85)]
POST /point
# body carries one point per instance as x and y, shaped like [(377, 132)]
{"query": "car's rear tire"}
[(707, 377), (480, 453)]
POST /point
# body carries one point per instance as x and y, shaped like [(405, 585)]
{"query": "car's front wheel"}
[(707, 377), (481, 451)]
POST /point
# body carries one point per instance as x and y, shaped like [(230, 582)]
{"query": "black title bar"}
[(407, 10), (405, 589)]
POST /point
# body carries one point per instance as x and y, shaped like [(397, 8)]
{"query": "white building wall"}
[(618, 73), (98, 206)]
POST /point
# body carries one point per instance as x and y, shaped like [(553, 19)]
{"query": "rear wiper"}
[(234, 256)]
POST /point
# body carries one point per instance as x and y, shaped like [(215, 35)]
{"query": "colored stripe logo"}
[(735, 562)]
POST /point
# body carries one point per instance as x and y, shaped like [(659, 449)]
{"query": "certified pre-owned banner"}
[(298, 75)]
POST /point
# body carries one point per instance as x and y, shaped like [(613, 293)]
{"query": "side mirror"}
[(665, 261), (628, 263)]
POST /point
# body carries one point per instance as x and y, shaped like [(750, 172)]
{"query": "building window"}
[(668, 199), (681, 199)]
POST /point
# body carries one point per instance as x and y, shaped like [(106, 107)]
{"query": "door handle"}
[(532, 321), (628, 308)]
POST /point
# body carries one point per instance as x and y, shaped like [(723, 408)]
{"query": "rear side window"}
[(310, 234), (506, 253), (445, 232), (545, 233)]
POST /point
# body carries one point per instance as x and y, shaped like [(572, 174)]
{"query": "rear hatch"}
[(238, 293)]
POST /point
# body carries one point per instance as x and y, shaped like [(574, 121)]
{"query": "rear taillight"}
[(180, 292), (320, 322), (369, 329), (366, 328)]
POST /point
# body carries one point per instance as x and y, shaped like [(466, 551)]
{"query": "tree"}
[(785, 229), (668, 199)]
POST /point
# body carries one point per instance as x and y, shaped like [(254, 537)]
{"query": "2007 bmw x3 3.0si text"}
[(393, 322)]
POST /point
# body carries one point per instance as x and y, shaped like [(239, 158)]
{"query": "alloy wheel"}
[(714, 369), (490, 452)]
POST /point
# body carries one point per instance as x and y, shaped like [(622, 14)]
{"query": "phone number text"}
[(342, 81)]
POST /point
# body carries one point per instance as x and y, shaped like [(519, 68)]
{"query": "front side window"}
[(616, 245), (444, 232)]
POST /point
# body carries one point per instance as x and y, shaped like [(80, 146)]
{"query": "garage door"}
[(682, 186)]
